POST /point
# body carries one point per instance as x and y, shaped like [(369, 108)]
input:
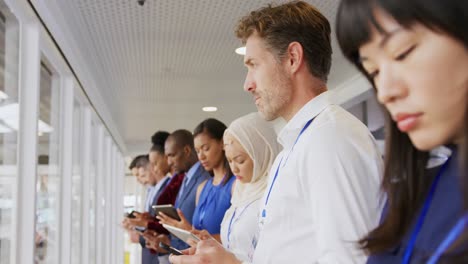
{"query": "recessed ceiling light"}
[(240, 51), (210, 108)]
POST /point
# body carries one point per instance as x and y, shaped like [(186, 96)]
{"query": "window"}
[(48, 177), (93, 193), (9, 122), (76, 183)]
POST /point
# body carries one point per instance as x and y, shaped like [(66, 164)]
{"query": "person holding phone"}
[(415, 54), (214, 195), (182, 157), (251, 147), (155, 183), (134, 236), (158, 177), (250, 151), (167, 189), (323, 191)]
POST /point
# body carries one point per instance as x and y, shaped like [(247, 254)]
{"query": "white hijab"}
[(258, 138)]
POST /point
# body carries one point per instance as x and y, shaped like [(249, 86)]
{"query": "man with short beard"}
[(323, 193)]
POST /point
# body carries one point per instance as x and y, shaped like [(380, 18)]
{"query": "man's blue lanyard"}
[(279, 165), (427, 203), (232, 218), (455, 232)]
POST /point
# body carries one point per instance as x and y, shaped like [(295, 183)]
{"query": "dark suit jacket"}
[(168, 196), (148, 257), (186, 201)]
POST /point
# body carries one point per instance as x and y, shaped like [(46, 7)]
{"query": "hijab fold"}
[(258, 138)]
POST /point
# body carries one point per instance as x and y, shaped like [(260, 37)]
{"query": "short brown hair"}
[(295, 21)]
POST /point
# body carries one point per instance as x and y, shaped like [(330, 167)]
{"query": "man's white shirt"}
[(327, 193)]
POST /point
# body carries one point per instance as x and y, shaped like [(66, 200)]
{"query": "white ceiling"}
[(157, 65)]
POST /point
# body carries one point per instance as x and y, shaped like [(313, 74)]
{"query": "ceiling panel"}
[(156, 65)]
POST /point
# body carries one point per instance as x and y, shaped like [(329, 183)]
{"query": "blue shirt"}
[(445, 210), (212, 205), (151, 193)]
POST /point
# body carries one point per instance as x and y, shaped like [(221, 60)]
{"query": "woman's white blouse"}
[(238, 229)]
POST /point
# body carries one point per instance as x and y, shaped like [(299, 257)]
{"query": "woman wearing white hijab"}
[(250, 147)]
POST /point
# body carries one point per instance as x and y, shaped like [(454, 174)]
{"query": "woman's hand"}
[(153, 239), (201, 234), (182, 224), (207, 251)]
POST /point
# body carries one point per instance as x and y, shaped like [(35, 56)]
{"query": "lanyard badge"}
[(420, 221), (262, 218), (264, 211)]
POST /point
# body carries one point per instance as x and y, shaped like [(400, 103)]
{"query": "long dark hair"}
[(215, 129), (405, 180)]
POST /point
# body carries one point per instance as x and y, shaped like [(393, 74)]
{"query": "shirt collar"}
[(192, 171), (160, 183), (439, 156), (289, 133), (149, 197)]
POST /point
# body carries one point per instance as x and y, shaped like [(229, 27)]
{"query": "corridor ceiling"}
[(155, 66)]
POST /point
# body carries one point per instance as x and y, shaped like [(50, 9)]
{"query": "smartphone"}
[(171, 250), (130, 215), (168, 210), (183, 235), (140, 229)]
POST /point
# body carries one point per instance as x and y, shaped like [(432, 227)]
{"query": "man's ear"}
[(294, 56), (187, 150)]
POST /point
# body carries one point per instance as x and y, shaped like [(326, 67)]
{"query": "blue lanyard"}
[(232, 218), (279, 165), (455, 232), (427, 203)]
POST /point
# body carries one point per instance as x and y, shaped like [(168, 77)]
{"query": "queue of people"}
[(318, 191)]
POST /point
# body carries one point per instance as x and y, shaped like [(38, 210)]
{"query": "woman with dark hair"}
[(415, 54), (214, 195)]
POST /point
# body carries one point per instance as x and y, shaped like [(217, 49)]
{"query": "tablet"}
[(183, 235), (167, 209)]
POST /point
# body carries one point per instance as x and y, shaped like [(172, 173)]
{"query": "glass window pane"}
[(102, 204), (76, 183), (48, 181), (92, 197), (9, 117)]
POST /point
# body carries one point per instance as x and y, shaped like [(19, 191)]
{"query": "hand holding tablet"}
[(168, 210), (182, 234)]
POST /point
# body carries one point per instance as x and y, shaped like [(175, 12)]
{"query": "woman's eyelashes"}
[(404, 54), (373, 74), (400, 57)]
